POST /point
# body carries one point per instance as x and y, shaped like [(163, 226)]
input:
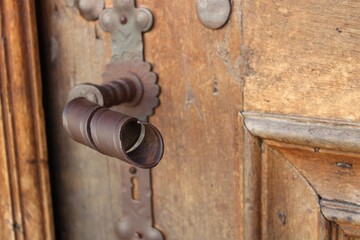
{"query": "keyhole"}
[(135, 192)]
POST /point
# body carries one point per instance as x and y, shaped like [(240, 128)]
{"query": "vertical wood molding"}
[(252, 186), (27, 213)]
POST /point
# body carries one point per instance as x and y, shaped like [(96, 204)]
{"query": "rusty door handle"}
[(131, 91), (88, 120)]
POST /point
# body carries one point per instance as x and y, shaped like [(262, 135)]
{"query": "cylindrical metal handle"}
[(113, 133)]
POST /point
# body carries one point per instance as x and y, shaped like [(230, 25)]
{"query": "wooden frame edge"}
[(312, 132), (23, 123)]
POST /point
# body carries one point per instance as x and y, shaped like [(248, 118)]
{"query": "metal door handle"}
[(131, 91), (88, 120)]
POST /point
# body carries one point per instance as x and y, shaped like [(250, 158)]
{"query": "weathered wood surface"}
[(336, 233), (303, 57), (346, 215), (252, 186), (198, 185), (85, 184), (313, 132), (296, 58), (333, 175), (290, 207), (25, 199)]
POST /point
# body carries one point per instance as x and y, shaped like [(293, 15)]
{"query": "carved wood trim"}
[(313, 132), (252, 186), (25, 200), (346, 215), (336, 233)]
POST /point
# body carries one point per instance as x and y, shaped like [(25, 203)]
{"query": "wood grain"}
[(86, 184), (252, 186), (201, 172), (198, 184), (313, 132), (26, 211), (333, 175), (290, 208), (346, 215), (304, 57), (336, 233)]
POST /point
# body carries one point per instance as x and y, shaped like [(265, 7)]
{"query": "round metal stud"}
[(144, 19), (213, 14), (108, 20), (90, 9), (123, 20)]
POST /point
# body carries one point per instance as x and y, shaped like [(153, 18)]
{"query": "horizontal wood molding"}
[(288, 132), (346, 215), (314, 132), (25, 200)]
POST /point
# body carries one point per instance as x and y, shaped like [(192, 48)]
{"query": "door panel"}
[(305, 57), (290, 206), (258, 120), (320, 156), (197, 186)]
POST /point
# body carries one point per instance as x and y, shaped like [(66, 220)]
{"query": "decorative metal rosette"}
[(144, 79)]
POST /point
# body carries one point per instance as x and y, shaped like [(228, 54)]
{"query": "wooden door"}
[(25, 198), (301, 114), (259, 120)]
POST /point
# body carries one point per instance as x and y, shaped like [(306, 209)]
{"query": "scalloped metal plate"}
[(142, 70)]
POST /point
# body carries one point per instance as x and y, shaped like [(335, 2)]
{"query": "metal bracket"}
[(126, 23), (137, 222)]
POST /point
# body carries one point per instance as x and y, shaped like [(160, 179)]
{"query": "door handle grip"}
[(89, 121)]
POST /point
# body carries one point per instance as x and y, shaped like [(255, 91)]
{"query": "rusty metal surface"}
[(113, 133), (213, 14), (90, 9), (126, 23), (137, 222), (122, 89), (148, 100), (130, 87)]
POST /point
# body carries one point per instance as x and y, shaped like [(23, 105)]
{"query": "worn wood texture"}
[(25, 205), (346, 215), (313, 132), (198, 185), (333, 175), (336, 233), (290, 208), (86, 185), (303, 57), (252, 186)]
